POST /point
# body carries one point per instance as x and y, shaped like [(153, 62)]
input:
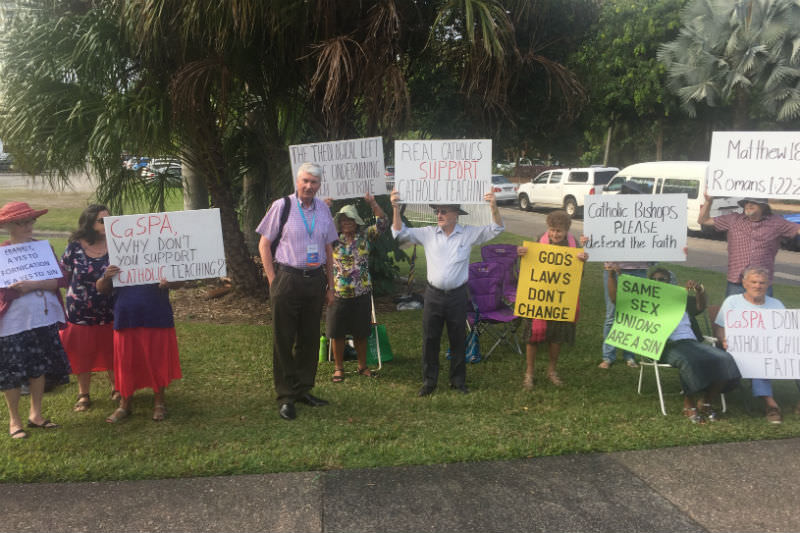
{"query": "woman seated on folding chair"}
[(705, 371), (351, 309)]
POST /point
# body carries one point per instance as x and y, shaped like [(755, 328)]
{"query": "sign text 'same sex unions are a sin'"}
[(443, 171), (175, 246)]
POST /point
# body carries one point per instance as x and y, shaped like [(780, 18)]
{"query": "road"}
[(709, 254)]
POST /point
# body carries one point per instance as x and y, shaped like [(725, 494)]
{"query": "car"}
[(169, 170), (504, 190), (140, 163), (664, 177), (794, 242), (6, 162), (564, 187), (504, 165)]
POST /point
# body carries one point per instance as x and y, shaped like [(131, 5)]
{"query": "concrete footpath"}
[(749, 486)]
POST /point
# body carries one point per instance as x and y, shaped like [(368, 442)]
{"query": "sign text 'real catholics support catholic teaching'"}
[(646, 314), (350, 168), (175, 246), (641, 227), (27, 261), (549, 282), (765, 343), (443, 172), (764, 164)]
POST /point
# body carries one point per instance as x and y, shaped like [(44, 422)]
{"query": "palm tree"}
[(740, 53)]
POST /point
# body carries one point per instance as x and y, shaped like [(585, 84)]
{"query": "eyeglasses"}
[(100, 220), (660, 278), (441, 211)]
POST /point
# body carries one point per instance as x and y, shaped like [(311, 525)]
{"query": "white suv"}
[(564, 187)]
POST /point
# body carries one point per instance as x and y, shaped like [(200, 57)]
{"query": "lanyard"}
[(305, 222)]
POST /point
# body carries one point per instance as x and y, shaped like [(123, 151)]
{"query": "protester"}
[(447, 250), (299, 283), (88, 337), (631, 268), (145, 344), (30, 314), (754, 238), (553, 332), (755, 281), (705, 371), (352, 305)]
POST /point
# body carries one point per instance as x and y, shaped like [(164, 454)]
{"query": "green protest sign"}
[(647, 312)]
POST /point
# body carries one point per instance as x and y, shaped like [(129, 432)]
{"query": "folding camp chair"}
[(506, 255), (493, 315)]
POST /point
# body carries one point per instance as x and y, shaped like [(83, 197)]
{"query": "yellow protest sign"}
[(549, 282)]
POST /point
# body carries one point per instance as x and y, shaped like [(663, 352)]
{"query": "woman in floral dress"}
[(350, 312)]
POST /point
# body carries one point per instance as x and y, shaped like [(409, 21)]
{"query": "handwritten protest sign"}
[(443, 172), (549, 282), (764, 164), (646, 313), (627, 226), (350, 168), (175, 246), (28, 261), (764, 343)]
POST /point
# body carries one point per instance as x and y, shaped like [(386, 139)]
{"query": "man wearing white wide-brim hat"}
[(754, 237), (447, 250)]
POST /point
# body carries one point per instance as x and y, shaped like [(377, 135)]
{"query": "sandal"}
[(83, 403), (47, 424), (115, 395), (21, 432), (527, 383), (118, 414), (554, 379), (709, 412), (338, 375), (693, 416), (159, 412), (367, 373)]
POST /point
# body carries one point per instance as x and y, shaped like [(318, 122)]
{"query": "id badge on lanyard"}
[(312, 250)]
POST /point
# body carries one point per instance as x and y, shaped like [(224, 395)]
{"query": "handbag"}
[(381, 341)]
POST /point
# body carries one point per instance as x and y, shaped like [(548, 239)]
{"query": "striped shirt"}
[(753, 243)]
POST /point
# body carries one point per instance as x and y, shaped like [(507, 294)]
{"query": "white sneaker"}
[(631, 363)]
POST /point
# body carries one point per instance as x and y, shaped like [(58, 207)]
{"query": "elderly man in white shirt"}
[(447, 250)]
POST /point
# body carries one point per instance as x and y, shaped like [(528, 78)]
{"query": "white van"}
[(662, 177)]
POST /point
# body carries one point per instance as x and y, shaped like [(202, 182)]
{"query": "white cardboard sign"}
[(175, 246), (763, 164), (350, 168), (765, 343), (635, 227), (28, 261), (443, 172)]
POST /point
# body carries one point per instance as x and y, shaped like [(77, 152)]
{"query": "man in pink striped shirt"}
[(754, 238)]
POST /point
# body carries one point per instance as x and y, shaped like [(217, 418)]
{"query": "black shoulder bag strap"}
[(287, 207)]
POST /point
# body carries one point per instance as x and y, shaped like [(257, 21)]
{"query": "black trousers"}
[(296, 311), (444, 308)]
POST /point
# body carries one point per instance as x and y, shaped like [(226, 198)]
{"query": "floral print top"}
[(84, 304), (351, 261)]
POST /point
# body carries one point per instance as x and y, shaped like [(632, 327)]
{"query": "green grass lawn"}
[(223, 417)]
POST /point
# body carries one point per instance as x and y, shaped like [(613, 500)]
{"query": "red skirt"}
[(89, 348), (145, 358)]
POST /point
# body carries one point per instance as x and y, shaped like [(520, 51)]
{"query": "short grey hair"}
[(755, 269), (310, 168)]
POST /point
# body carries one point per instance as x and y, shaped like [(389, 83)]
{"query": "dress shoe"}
[(460, 388), (426, 390), (287, 412), (313, 401)]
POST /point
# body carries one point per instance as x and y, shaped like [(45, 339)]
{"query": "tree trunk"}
[(608, 143), (195, 191), (659, 140), (243, 271)]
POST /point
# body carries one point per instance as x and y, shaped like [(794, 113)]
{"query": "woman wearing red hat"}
[(30, 313), (89, 335)]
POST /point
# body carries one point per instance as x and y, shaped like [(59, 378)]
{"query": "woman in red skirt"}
[(88, 337), (145, 345)]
